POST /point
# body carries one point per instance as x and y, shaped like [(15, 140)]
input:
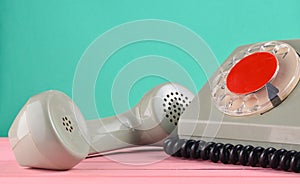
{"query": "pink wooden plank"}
[(142, 168)]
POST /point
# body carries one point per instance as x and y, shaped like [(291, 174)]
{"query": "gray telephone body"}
[(257, 121)]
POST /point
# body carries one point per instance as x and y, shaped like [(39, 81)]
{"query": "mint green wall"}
[(41, 41)]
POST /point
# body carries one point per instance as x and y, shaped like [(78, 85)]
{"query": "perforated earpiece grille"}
[(174, 105), (67, 123)]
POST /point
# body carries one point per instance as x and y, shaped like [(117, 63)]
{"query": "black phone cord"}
[(279, 159)]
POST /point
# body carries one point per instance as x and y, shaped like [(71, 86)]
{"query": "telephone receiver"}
[(248, 111), (50, 132)]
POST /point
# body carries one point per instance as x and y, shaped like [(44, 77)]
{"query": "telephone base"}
[(278, 127)]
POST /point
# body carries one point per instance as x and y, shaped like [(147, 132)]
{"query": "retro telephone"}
[(254, 101), (248, 112)]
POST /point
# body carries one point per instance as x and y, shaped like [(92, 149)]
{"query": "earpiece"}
[(50, 132)]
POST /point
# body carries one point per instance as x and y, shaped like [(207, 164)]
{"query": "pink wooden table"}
[(139, 165)]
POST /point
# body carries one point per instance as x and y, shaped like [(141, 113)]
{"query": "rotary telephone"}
[(248, 111)]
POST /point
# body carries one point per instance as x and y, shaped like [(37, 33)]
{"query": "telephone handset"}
[(248, 112)]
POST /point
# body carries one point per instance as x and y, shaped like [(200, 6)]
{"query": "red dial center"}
[(251, 73)]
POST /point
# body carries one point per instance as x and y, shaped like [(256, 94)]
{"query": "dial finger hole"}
[(218, 92), (236, 104), (251, 101), (268, 47), (282, 50), (225, 99), (255, 48), (218, 80)]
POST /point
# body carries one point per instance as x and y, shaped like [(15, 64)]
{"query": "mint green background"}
[(41, 41)]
